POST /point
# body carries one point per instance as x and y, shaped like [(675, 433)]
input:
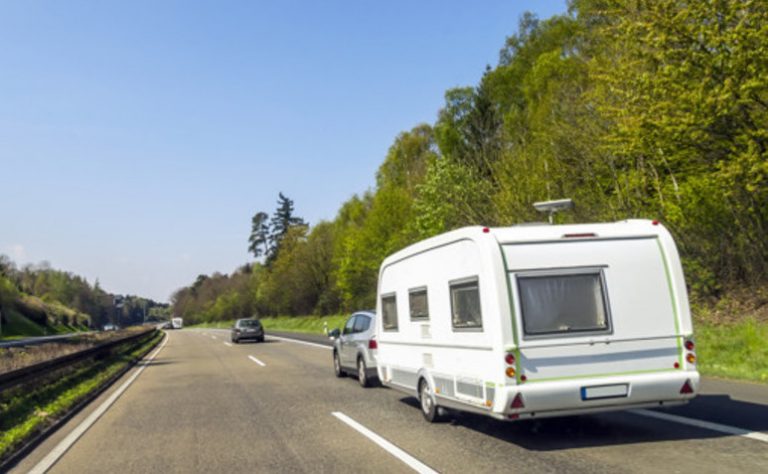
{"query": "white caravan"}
[(538, 321), (177, 323)]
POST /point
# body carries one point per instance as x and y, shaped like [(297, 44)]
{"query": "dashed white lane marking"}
[(61, 448), (214, 337), (228, 344), (300, 342), (411, 461), (708, 425), (257, 361)]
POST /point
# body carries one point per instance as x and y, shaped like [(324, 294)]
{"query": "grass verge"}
[(305, 324), (26, 411), (735, 350)]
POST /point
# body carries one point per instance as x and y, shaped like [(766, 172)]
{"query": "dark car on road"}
[(245, 329)]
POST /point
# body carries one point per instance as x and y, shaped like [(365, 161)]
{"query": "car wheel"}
[(260, 339), (235, 340), (362, 373), (337, 365), (429, 408)]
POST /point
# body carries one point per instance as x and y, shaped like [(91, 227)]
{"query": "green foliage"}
[(633, 108), (733, 350)]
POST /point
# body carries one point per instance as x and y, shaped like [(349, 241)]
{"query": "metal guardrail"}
[(35, 341), (25, 374)]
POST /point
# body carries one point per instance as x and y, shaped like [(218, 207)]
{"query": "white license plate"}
[(604, 391)]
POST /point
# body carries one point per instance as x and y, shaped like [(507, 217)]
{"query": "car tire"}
[(260, 339), (432, 413), (337, 365), (235, 340), (362, 373)]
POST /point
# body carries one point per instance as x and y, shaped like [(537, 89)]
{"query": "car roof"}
[(369, 313)]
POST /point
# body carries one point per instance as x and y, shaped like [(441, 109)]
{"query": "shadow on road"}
[(265, 341), (614, 428)]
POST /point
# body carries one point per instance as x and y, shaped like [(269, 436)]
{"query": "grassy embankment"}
[(25, 411), (30, 316), (305, 324)]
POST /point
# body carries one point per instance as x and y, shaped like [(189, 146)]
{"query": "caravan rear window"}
[(389, 312), (563, 303)]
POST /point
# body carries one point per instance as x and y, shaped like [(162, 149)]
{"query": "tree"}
[(259, 238), (282, 220)]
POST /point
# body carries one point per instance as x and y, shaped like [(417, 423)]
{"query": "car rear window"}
[(250, 323), (571, 302)]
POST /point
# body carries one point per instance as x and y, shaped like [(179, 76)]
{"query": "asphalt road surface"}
[(205, 405)]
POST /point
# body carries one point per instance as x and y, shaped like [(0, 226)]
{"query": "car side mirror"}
[(334, 333)]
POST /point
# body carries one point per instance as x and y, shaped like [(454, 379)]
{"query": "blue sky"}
[(138, 138)]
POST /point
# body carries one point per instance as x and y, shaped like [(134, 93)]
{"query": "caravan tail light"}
[(509, 359), (517, 402), (689, 345), (686, 388), (691, 358), (372, 344), (510, 372)]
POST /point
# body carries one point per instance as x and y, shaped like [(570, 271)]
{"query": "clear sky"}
[(138, 138)]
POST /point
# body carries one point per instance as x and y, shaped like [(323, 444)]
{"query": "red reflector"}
[(689, 345), (687, 387), (677, 365), (517, 402), (486, 230), (523, 378), (655, 222), (372, 344), (579, 236), (509, 359)]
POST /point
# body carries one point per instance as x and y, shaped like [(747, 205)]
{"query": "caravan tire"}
[(429, 408)]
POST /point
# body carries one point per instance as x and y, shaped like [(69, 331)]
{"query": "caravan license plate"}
[(604, 391)]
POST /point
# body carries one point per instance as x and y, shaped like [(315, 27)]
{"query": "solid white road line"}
[(228, 344), (708, 425), (300, 342), (52, 457), (411, 461), (257, 361)]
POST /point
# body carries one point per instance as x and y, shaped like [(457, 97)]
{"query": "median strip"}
[(707, 425), (257, 361), (411, 461)]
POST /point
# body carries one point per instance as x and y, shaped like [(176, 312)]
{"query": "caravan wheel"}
[(427, 401)]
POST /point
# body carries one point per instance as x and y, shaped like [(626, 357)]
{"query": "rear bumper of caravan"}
[(591, 395)]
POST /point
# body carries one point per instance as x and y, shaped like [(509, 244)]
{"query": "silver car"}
[(354, 348)]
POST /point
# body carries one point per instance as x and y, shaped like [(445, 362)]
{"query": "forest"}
[(38, 299), (634, 109)]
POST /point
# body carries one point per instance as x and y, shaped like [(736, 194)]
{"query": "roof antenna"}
[(551, 207)]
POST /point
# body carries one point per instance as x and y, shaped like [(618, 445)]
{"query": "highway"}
[(205, 405)]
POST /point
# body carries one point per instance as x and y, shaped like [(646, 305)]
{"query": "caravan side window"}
[(389, 312), (465, 305), (418, 304)]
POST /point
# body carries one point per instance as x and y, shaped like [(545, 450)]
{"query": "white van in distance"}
[(177, 323), (538, 321)]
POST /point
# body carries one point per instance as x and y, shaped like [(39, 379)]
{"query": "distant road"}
[(206, 405)]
